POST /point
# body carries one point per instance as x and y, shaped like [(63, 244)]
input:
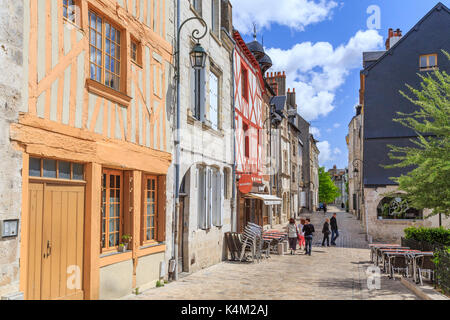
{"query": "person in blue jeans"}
[(334, 230), (308, 229)]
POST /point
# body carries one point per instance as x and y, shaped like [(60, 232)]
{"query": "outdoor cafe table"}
[(274, 234), (375, 246)]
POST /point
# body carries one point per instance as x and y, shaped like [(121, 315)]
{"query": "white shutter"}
[(202, 203), (209, 200), (221, 192)]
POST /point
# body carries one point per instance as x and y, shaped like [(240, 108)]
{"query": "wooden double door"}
[(55, 242)]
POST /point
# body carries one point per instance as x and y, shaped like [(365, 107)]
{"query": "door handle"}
[(49, 250)]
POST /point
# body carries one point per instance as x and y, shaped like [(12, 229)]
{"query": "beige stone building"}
[(354, 144), (314, 173)]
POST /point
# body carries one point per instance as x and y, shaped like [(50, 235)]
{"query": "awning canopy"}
[(269, 200)]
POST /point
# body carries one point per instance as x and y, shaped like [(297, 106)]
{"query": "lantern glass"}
[(198, 57)]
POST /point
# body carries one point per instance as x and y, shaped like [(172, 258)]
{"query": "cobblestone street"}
[(331, 273)]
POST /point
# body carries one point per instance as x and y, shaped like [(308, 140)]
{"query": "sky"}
[(319, 43)]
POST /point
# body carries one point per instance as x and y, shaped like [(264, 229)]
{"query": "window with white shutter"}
[(214, 100)]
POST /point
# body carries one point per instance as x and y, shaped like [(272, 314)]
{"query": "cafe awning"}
[(269, 200)]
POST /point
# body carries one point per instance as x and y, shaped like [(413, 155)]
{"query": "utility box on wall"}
[(9, 228)]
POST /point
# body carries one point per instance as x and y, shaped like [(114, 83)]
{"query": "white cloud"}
[(295, 14), (336, 125), (317, 70), (337, 151), (325, 152), (315, 132)]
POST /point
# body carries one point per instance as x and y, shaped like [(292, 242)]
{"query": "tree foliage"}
[(327, 190), (428, 183)]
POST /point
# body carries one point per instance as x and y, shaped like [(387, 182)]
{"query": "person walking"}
[(326, 233), (308, 229), (334, 230), (324, 208), (292, 235), (301, 234)]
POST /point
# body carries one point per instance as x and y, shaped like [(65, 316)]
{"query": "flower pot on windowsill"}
[(123, 247)]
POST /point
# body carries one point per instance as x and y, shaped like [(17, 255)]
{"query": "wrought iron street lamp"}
[(198, 59)]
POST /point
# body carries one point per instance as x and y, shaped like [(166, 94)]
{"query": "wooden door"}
[(55, 257)]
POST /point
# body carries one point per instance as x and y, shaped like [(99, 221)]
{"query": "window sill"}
[(107, 93), (114, 257), (429, 69), (137, 64), (216, 37)]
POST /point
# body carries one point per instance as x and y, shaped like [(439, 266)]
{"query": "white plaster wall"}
[(202, 145)]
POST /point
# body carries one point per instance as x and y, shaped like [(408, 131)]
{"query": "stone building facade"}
[(354, 145), (89, 122), (385, 212), (206, 160), (314, 174), (340, 179)]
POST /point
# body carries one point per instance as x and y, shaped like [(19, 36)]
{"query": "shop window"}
[(111, 210), (150, 209), (397, 207), (428, 62), (55, 169), (105, 51)]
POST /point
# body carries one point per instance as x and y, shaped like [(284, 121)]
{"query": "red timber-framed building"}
[(251, 113)]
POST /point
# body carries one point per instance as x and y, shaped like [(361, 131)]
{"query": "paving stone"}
[(330, 273)]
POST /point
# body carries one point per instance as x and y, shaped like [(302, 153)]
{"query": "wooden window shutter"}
[(161, 219), (202, 95)]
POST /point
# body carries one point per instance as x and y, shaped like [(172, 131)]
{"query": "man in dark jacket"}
[(334, 230), (326, 233), (308, 229)]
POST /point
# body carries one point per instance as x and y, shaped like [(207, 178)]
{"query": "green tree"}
[(428, 183), (327, 190)]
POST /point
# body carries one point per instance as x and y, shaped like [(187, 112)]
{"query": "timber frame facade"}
[(95, 143)]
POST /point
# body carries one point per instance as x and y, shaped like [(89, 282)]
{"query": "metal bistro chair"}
[(425, 263), (251, 241), (398, 261)]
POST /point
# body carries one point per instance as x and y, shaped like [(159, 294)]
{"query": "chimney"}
[(278, 80), (227, 16), (291, 99), (393, 38)]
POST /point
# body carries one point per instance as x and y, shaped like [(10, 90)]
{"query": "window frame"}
[(109, 172), (217, 124), (77, 13), (428, 67), (138, 60), (144, 214), (57, 171), (122, 60), (246, 132)]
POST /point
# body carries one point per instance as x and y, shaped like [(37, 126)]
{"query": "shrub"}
[(432, 235)]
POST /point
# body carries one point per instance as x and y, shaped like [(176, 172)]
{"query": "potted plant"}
[(124, 245)]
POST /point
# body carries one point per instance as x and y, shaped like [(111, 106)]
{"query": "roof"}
[(438, 7), (279, 102)]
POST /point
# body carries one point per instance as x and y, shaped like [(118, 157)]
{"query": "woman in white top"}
[(301, 238)]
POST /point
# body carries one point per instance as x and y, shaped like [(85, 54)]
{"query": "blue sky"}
[(319, 44)]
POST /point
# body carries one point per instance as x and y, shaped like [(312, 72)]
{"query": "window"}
[(215, 16), (136, 52), (111, 210), (226, 181), (214, 100), (210, 198), (55, 169), (150, 209), (104, 52), (244, 83), (71, 11), (397, 208), (428, 62), (197, 5)]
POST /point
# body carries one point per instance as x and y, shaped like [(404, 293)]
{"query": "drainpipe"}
[(177, 155), (233, 197)]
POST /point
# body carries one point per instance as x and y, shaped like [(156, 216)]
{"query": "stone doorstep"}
[(425, 292)]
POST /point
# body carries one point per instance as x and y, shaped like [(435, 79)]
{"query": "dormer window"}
[(428, 62), (71, 11)]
